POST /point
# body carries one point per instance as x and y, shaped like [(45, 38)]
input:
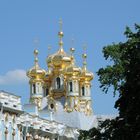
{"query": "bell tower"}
[(85, 88), (72, 73), (36, 75)]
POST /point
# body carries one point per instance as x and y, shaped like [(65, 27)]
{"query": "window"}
[(5, 103), (58, 82), (83, 91), (14, 106), (52, 106), (47, 92), (38, 86), (71, 86), (87, 89), (34, 89)]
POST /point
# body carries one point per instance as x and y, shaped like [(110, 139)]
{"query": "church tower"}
[(72, 73), (36, 75), (64, 82), (85, 88)]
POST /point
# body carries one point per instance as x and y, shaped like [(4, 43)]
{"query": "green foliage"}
[(124, 76), (92, 134), (115, 75)]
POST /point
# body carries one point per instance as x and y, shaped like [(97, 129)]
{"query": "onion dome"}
[(85, 74), (36, 71), (73, 69), (60, 58)]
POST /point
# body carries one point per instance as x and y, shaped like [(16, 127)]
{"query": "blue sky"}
[(95, 22)]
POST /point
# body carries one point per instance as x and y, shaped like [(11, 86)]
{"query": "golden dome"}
[(73, 69), (36, 71), (86, 75), (60, 58)]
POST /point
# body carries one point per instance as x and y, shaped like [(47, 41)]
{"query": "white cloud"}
[(14, 77)]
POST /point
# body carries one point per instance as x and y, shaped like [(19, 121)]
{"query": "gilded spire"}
[(36, 58), (60, 34), (85, 73), (72, 50), (49, 49), (36, 44), (84, 56)]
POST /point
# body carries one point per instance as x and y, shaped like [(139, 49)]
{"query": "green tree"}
[(92, 134), (124, 76)]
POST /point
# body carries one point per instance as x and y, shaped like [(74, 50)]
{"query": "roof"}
[(2, 91)]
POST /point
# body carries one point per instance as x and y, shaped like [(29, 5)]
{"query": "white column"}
[(18, 134)]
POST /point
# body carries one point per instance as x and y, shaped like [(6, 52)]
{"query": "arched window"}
[(52, 106), (71, 86), (47, 92), (58, 82), (83, 91), (38, 87), (34, 89)]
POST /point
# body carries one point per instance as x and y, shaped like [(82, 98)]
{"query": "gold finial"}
[(60, 34), (72, 50), (36, 45), (49, 49), (84, 56), (36, 57)]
